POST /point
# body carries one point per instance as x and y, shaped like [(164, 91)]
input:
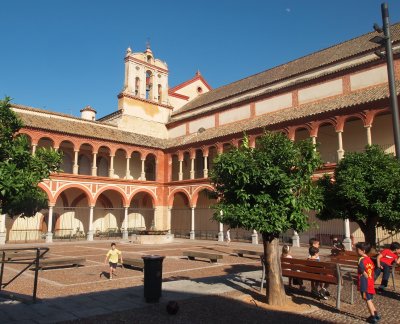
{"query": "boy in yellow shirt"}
[(113, 255)]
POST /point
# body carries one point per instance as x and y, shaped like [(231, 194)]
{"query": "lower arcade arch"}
[(141, 213), (205, 227), (180, 215)]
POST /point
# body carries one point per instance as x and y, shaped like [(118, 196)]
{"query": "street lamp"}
[(386, 41)]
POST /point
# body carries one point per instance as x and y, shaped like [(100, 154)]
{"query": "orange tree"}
[(20, 171), (270, 189), (365, 189)]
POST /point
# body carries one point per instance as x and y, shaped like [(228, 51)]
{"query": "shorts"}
[(367, 296), (113, 265)]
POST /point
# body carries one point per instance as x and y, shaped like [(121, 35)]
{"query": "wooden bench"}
[(20, 255), (240, 253), (134, 262), (61, 262), (348, 261), (191, 255), (326, 272)]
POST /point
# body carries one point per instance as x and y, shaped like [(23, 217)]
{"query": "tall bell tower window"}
[(137, 86), (149, 84), (159, 93)]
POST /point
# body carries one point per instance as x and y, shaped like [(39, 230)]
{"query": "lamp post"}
[(386, 41)]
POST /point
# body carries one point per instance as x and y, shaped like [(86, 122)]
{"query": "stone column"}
[(90, 231), (192, 234), (180, 174), (369, 136), (94, 164), (314, 141), (34, 146), (192, 167), (221, 233), (205, 166), (125, 232), (154, 218), (3, 231), (347, 240), (169, 212), (75, 168), (254, 237), (128, 171), (111, 169), (295, 239), (143, 173), (340, 150), (49, 234)]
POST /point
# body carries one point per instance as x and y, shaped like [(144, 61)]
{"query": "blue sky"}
[(62, 55)]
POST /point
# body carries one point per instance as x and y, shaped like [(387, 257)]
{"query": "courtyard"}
[(227, 291)]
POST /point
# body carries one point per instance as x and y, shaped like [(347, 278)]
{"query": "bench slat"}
[(61, 261), (250, 252), (205, 255), (303, 268), (310, 276), (191, 255), (315, 264)]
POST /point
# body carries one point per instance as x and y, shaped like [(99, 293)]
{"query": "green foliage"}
[(365, 189), (268, 188), (20, 171)]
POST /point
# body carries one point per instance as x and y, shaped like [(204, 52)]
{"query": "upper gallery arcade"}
[(162, 140)]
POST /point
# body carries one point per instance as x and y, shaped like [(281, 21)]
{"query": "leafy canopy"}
[(268, 188), (365, 189), (20, 171)]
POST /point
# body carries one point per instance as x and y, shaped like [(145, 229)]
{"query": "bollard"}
[(152, 277)]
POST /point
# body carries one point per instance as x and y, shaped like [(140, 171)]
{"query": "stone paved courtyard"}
[(213, 293)]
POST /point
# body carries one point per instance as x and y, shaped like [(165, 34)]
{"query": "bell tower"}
[(146, 79)]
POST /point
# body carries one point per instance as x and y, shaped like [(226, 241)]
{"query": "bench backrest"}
[(310, 270)]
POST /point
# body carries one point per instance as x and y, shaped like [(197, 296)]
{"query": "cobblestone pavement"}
[(83, 295)]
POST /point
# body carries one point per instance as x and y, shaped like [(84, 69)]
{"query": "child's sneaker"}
[(325, 291), (322, 294), (377, 317), (382, 288), (315, 293), (372, 319), (110, 278)]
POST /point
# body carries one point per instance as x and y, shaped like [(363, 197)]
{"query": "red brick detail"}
[(397, 69), (252, 110), (340, 120), (216, 120), (346, 84), (295, 98), (205, 150), (187, 129), (130, 58)]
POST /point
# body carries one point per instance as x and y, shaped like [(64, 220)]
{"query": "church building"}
[(146, 165)]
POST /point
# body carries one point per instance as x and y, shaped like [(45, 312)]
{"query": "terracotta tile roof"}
[(334, 54), (290, 114), (74, 126)]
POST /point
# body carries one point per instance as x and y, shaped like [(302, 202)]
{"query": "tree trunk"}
[(275, 290), (369, 231)]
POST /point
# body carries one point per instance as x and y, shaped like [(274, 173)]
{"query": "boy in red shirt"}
[(385, 260), (366, 279)]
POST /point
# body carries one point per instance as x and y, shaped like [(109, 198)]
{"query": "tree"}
[(365, 189), (20, 171), (268, 188)]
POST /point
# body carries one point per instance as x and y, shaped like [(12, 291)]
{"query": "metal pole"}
[(35, 281), (391, 78)]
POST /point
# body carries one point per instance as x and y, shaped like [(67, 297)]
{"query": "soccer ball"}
[(172, 307)]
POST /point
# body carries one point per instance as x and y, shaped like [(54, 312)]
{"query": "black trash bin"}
[(152, 277)]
